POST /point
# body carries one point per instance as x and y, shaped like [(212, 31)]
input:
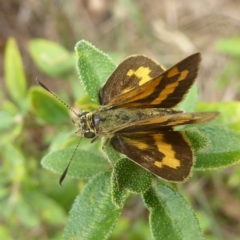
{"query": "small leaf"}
[(230, 112), (113, 155), (9, 135), (224, 149), (15, 159), (94, 67), (198, 140), (93, 215), (87, 104), (84, 165), (170, 215), (189, 102), (229, 46), (15, 78), (6, 120), (129, 177), (10, 108), (51, 58), (47, 107)]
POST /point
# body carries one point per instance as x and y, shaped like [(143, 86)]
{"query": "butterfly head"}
[(85, 125)]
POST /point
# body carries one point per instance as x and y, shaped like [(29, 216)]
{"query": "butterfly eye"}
[(89, 134)]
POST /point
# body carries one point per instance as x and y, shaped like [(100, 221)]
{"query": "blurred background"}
[(32, 204)]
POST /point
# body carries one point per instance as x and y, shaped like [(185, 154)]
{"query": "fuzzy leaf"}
[(170, 215), (84, 165), (47, 107), (94, 67), (223, 150), (129, 177), (198, 140), (93, 215)]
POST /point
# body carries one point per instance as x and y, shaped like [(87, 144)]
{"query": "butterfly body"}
[(137, 115)]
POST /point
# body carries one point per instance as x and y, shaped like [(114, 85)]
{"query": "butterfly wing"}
[(129, 74), (165, 90), (166, 154), (163, 122)]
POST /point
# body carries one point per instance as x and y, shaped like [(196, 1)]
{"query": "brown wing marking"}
[(166, 121), (167, 154), (166, 90), (133, 72)]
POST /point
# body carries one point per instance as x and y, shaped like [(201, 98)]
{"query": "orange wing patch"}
[(137, 144), (142, 73), (165, 90), (165, 148), (170, 88)]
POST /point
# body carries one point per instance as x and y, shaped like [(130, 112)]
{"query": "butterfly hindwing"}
[(132, 72), (165, 91), (166, 154)]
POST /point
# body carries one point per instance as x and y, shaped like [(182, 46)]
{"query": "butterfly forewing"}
[(165, 91), (133, 72), (166, 154)]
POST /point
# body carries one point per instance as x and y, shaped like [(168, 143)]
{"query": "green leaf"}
[(14, 158), (224, 149), (188, 104), (198, 140), (10, 108), (45, 106), (113, 155), (52, 58), (230, 112), (84, 165), (87, 104), (94, 67), (6, 120), (93, 215), (5, 233), (15, 78), (9, 135), (49, 210), (230, 46), (170, 215), (129, 177)]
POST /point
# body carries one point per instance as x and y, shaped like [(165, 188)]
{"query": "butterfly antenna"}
[(66, 169), (59, 99)]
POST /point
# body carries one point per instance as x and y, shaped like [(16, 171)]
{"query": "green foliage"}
[(52, 58), (230, 46), (230, 113), (15, 78), (231, 72), (128, 177), (45, 106), (25, 207), (94, 67), (28, 116), (223, 151), (170, 215), (93, 214), (86, 164)]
